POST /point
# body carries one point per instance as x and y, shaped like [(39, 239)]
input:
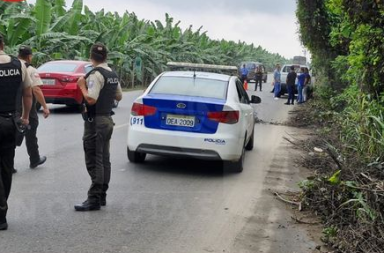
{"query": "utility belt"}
[(21, 129), (6, 115), (90, 117)]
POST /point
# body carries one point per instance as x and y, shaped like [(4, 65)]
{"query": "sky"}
[(269, 23)]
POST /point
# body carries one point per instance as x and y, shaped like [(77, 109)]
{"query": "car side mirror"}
[(255, 100)]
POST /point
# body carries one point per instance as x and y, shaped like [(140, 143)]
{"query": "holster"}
[(85, 114), (20, 130)]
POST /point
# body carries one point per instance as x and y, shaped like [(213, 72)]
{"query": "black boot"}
[(4, 225), (103, 199), (41, 160), (88, 206)]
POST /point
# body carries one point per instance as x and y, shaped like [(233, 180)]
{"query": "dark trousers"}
[(243, 78), (291, 94), (31, 140), (258, 81), (7, 155), (96, 140)]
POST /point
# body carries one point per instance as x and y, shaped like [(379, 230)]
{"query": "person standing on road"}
[(301, 78), (244, 73), (291, 80), (258, 77), (277, 81), (15, 87), (100, 88), (25, 55)]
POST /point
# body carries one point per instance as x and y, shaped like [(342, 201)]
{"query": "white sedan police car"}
[(193, 114)]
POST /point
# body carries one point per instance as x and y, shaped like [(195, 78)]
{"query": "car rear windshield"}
[(186, 86), (58, 67)]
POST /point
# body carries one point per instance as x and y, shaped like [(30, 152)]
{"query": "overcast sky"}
[(269, 23)]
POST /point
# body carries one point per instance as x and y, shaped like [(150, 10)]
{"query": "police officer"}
[(15, 84), (258, 77), (100, 88), (25, 55), (244, 73)]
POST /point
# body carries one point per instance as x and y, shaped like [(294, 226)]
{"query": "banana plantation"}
[(57, 32)]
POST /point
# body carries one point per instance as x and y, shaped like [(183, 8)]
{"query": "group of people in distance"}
[(299, 80)]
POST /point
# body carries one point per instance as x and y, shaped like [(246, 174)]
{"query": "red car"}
[(60, 81)]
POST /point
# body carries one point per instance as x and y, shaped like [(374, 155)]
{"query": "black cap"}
[(99, 52), (25, 51)]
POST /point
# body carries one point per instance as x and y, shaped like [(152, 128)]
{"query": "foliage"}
[(346, 40), (55, 32)]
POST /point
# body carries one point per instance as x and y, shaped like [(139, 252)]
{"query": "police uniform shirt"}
[(27, 82), (95, 83), (34, 76)]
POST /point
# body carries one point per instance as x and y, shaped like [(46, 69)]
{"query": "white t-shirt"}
[(34, 75)]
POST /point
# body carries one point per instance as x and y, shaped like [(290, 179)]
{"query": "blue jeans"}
[(300, 94), (277, 89)]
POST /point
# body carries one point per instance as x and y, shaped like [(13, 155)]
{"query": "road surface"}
[(162, 206)]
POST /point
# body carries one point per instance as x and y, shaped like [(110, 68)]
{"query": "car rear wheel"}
[(237, 166), (250, 142), (135, 157)]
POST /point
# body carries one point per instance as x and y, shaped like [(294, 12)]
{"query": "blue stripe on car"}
[(194, 106)]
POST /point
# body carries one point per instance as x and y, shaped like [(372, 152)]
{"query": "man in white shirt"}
[(25, 55)]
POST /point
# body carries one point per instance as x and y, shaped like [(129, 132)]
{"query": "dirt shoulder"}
[(277, 226)]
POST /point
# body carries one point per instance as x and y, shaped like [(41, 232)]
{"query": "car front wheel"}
[(135, 157)]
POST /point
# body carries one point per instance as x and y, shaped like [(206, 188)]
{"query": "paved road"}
[(164, 205)]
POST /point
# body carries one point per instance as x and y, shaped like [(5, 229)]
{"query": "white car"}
[(284, 73), (193, 114)]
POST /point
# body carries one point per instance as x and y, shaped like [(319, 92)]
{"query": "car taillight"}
[(142, 110), (228, 117)]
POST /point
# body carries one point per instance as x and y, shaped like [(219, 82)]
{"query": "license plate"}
[(48, 81), (180, 120)]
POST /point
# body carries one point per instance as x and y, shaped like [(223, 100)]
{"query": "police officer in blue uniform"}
[(15, 86)]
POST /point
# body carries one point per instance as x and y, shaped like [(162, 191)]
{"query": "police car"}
[(202, 115)]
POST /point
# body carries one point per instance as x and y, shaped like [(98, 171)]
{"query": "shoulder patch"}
[(90, 84)]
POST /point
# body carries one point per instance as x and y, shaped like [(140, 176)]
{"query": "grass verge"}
[(345, 191)]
